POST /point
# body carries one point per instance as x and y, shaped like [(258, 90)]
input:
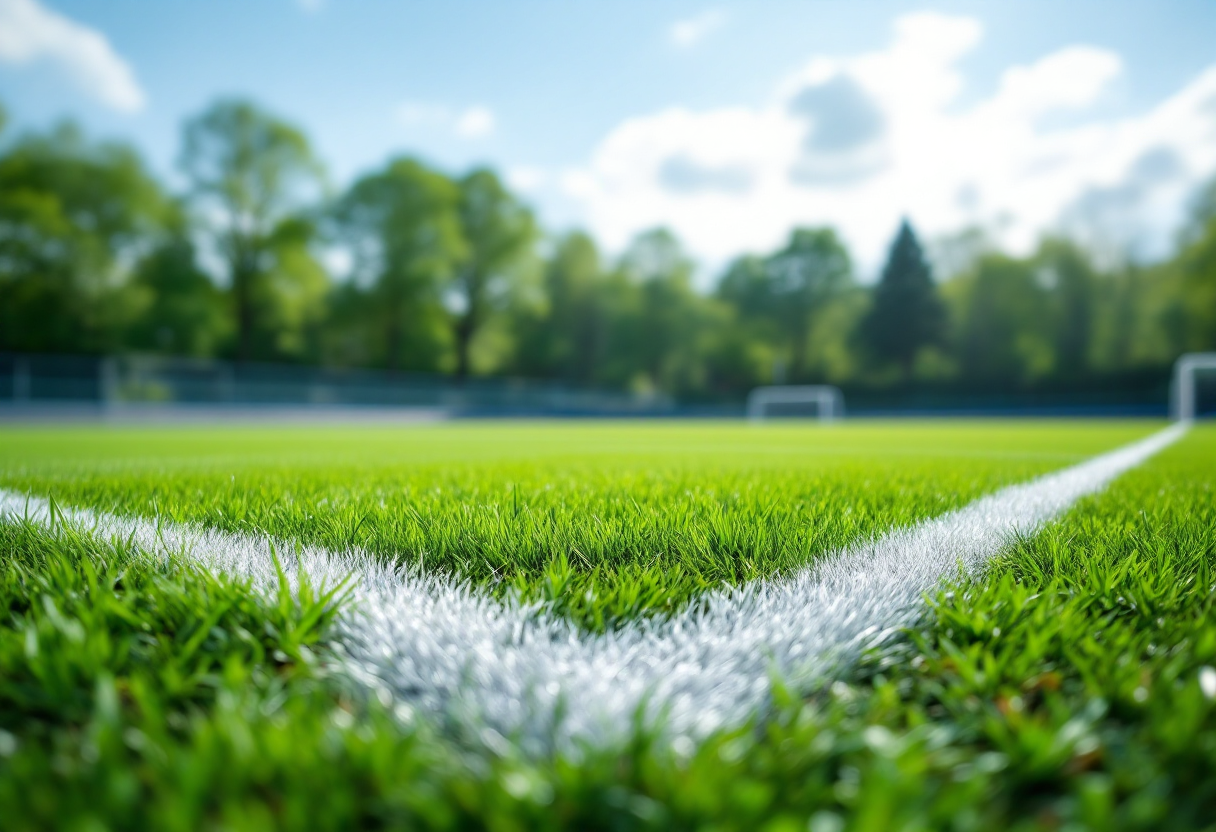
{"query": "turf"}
[(1071, 687), (601, 522)]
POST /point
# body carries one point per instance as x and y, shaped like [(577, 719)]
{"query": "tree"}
[(498, 231), (1005, 322), (73, 214), (183, 310), (290, 297), (563, 333), (779, 297), (403, 227), (1064, 271), (666, 332), (251, 174), (788, 288), (907, 314), (1197, 265), (812, 269)]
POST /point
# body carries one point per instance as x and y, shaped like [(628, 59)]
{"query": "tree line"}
[(410, 268)]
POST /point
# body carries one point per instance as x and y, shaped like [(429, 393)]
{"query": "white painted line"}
[(447, 649)]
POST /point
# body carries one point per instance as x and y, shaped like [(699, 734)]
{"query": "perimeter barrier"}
[(151, 382)]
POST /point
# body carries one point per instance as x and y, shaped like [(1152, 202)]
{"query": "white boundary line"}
[(449, 650)]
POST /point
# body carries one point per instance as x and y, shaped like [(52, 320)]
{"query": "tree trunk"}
[(465, 327), (392, 339), (797, 372), (242, 287)]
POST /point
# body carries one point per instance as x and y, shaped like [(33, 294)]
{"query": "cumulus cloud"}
[(842, 116), (691, 31), (526, 178), (682, 174), (473, 122), (858, 141), (1134, 217), (30, 32)]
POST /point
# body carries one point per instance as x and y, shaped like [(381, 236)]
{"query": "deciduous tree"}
[(403, 227), (499, 231), (251, 175)]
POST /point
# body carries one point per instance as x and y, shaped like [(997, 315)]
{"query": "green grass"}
[(1059, 691), (601, 521)]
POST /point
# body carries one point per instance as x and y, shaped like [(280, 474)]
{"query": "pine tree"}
[(907, 313)]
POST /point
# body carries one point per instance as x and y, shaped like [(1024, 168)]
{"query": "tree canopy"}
[(250, 174), (415, 268)]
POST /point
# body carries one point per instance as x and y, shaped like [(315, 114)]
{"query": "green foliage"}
[(70, 213), (183, 310), (789, 290), (250, 175), (907, 315), (498, 231), (1197, 265), (1066, 273), (564, 333), (672, 324), (403, 226), (1006, 310)]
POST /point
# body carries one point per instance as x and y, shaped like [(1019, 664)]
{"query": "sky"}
[(729, 123)]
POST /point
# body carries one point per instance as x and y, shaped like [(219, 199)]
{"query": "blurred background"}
[(614, 208)]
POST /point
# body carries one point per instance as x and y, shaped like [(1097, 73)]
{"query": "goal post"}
[(827, 400), (1182, 389)]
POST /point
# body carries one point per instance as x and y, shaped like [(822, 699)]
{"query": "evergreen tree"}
[(907, 313)]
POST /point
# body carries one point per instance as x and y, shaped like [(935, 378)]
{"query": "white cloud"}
[(310, 6), (30, 32), (691, 31), (1072, 77), (474, 123), (859, 141), (526, 178)]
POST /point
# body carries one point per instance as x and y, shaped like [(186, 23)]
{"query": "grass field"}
[(1070, 685)]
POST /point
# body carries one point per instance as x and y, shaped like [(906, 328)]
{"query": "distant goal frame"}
[(1182, 389), (829, 401)]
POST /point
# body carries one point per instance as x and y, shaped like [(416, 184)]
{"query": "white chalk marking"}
[(450, 650)]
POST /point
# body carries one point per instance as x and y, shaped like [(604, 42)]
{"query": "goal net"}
[(1189, 399), (795, 401)]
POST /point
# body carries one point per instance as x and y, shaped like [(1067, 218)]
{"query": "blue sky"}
[(729, 122)]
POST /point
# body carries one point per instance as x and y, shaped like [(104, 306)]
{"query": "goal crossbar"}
[(829, 401), (1182, 398)]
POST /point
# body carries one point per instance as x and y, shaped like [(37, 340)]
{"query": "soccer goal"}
[(1182, 391), (792, 400)]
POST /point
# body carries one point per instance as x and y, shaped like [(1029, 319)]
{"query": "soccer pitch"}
[(869, 625)]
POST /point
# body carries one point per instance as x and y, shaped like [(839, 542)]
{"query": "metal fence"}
[(32, 385), (147, 381)]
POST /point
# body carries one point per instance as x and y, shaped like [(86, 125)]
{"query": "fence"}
[(147, 380), (33, 384)]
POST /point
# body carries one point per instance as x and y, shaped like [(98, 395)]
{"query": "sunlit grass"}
[(601, 521), (1064, 689)]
